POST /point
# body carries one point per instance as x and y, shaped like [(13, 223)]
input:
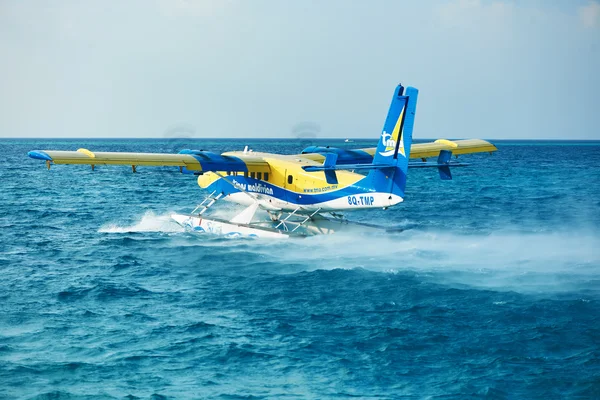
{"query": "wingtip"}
[(39, 155)]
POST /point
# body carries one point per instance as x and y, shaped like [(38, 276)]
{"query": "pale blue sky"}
[(489, 69)]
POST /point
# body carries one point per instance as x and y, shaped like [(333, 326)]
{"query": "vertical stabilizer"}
[(393, 149)]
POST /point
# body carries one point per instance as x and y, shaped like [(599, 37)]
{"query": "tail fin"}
[(394, 144), (396, 137)]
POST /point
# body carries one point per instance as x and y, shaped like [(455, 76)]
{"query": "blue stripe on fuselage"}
[(256, 186)]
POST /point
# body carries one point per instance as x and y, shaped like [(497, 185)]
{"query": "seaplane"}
[(297, 195)]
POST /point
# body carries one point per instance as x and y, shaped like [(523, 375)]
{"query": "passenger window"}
[(259, 176), (246, 174), (252, 175), (266, 176), (228, 172), (290, 179)]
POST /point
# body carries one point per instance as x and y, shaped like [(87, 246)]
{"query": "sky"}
[(238, 68)]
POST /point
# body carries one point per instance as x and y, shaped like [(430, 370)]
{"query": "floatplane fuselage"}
[(281, 184)]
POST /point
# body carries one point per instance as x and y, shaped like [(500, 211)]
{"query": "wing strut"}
[(306, 219), (210, 200)]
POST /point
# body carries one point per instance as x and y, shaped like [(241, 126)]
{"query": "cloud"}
[(590, 14)]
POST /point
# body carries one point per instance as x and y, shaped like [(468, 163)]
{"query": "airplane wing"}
[(200, 160), (190, 160), (465, 146), (432, 149), (417, 150)]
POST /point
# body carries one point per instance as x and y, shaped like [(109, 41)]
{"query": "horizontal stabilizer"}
[(346, 167), (429, 165)]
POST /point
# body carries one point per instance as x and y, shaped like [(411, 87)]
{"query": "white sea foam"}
[(507, 259), (149, 222), (518, 261)]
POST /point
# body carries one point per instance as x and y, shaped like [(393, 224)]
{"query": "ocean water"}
[(492, 290)]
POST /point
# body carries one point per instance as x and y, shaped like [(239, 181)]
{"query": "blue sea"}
[(491, 290)]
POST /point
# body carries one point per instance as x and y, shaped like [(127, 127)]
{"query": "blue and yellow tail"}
[(393, 150), (390, 162)]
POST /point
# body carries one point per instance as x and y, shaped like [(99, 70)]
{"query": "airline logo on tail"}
[(390, 140)]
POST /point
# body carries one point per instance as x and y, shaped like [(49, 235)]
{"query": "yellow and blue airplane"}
[(302, 193)]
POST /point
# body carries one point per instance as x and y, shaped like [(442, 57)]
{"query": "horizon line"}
[(283, 138)]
